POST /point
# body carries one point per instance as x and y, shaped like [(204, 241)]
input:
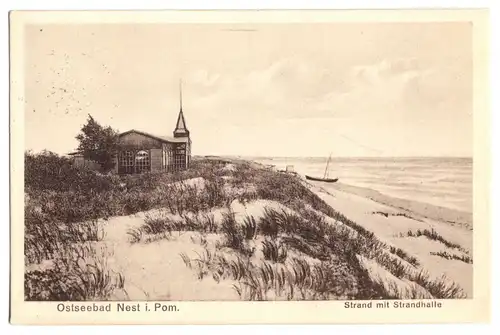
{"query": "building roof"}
[(181, 124), (166, 139)]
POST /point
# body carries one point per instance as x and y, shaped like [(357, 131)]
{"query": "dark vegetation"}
[(274, 251), (79, 273), (98, 143), (64, 205), (435, 236), (446, 255), (404, 255), (397, 214)]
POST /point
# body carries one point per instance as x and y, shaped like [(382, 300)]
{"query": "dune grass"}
[(63, 214), (275, 251), (435, 236), (45, 237), (441, 288), (163, 223), (329, 244), (296, 279), (79, 272), (404, 255), (446, 255), (250, 227)]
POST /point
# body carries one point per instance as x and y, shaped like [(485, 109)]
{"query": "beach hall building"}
[(145, 152)]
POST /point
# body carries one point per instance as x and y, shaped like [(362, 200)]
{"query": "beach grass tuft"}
[(274, 251), (404, 255), (435, 236), (250, 227), (446, 255), (78, 273)]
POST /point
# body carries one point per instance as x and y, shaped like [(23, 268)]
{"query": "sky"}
[(349, 89)]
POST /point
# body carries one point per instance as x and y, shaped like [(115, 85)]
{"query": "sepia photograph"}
[(251, 160)]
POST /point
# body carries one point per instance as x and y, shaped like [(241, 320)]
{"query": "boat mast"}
[(327, 164)]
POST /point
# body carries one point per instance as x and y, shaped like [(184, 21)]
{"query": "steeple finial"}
[(180, 93)]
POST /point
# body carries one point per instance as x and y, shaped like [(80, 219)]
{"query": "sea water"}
[(445, 182)]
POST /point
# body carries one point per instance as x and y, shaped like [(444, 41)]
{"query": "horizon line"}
[(290, 156), (304, 156)]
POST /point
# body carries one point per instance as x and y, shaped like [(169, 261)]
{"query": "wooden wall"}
[(139, 141), (161, 154), (156, 159)]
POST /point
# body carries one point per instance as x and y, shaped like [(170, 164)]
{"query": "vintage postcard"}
[(239, 167)]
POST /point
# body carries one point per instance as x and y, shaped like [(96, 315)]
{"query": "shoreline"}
[(415, 208), (392, 225)]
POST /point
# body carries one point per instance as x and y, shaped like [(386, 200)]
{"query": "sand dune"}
[(156, 271)]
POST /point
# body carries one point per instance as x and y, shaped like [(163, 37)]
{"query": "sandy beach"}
[(367, 207), (416, 208)]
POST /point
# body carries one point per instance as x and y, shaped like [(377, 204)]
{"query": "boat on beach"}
[(325, 178)]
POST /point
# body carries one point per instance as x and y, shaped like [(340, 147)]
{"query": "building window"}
[(169, 159), (179, 157), (127, 162), (142, 163), (164, 157), (179, 162)]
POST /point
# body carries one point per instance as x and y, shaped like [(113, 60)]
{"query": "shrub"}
[(47, 171)]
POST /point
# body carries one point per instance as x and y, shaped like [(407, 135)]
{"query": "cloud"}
[(285, 89), (388, 93), (402, 89)]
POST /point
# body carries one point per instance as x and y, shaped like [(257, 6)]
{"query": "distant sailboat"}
[(325, 177)]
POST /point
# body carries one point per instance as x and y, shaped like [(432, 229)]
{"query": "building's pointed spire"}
[(180, 94), (180, 128)]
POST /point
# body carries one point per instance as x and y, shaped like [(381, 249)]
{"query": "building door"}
[(142, 162)]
